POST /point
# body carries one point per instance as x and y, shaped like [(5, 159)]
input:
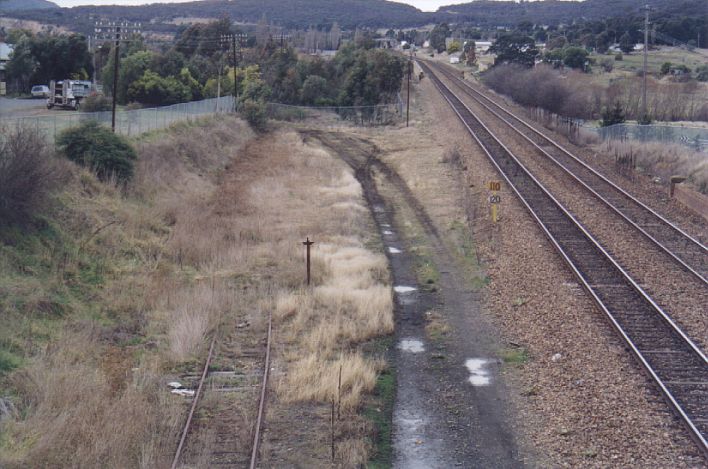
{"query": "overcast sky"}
[(425, 5)]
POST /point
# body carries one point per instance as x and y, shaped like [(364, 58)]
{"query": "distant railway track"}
[(671, 360), (688, 252), (226, 453)]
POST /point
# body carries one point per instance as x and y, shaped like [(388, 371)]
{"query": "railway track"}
[(687, 251), (671, 360), (229, 448)]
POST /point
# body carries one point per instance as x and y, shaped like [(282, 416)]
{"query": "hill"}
[(292, 13), (13, 5), (506, 13)]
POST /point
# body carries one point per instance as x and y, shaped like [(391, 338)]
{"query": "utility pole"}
[(116, 59), (644, 74), (408, 90), (233, 38), (307, 244), (117, 32)]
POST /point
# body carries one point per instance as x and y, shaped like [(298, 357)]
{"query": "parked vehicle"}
[(40, 91), (68, 94)]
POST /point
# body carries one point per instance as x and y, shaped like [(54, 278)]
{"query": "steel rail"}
[(673, 331), (475, 94), (188, 423), (261, 404)]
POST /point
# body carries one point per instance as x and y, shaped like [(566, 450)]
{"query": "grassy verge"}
[(97, 307)]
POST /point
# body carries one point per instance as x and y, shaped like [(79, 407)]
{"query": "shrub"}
[(612, 116), (28, 174), (96, 103), (702, 73), (665, 68), (254, 112), (158, 91), (619, 57), (96, 147)]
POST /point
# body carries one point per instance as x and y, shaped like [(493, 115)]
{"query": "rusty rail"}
[(187, 424), (261, 404)]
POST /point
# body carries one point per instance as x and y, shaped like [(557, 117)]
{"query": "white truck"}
[(68, 94)]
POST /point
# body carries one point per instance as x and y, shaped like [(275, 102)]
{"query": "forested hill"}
[(300, 14), (507, 13), (290, 13), (7, 5)]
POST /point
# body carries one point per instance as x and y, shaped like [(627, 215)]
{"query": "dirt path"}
[(451, 405)]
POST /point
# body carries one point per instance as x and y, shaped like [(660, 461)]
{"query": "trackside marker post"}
[(307, 244), (494, 199)]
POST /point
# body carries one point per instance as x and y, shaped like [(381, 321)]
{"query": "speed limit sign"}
[(494, 199)]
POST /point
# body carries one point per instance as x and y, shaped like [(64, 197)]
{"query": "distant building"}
[(455, 58), (5, 52)]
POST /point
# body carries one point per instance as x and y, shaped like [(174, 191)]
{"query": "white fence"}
[(128, 123)]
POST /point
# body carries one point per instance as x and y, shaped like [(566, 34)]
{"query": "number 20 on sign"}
[(494, 199)]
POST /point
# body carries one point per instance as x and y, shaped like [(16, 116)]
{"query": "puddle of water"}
[(388, 232), (411, 345), (393, 250), (479, 376), (404, 289), (378, 208), (385, 225)]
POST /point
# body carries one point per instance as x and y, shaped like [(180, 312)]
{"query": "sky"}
[(425, 5)]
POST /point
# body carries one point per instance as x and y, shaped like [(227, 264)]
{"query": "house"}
[(455, 58), (5, 52)]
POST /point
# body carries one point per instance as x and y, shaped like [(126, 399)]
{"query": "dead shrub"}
[(29, 173)]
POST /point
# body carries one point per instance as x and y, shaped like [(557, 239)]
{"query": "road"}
[(22, 107)]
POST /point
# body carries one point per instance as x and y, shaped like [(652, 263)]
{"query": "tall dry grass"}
[(95, 396), (663, 160)]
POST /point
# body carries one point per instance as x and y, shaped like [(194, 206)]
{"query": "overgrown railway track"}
[(687, 251), (671, 360), (228, 450)]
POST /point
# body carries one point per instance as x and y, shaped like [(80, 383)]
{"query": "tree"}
[(514, 48), (155, 90), (22, 65), (602, 42), (626, 43), (454, 47), (665, 68), (575, 57), (438, 35), (470, 52), (612, 116), (313, 88)]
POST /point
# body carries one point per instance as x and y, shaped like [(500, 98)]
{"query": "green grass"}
[(465, 248), (8, 361), (514, 355), (380, 412)]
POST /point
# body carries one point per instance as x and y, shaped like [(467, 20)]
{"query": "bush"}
[(158, 91), (28, 174), (612, 116), (618, 57), (94, 146), (254, 112), (702, 73), (96, 103)]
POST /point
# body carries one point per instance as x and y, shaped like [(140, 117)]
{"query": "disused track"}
[(225, 453), (687, 251), (672, 361)]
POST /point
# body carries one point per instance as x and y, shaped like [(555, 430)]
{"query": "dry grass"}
[(97, 398), (663, 161), (210, 213)]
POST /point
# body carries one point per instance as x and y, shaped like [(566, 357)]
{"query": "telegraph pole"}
[(116, 59), (644, 75), (408, 91), (233, 38), (116, 31)]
